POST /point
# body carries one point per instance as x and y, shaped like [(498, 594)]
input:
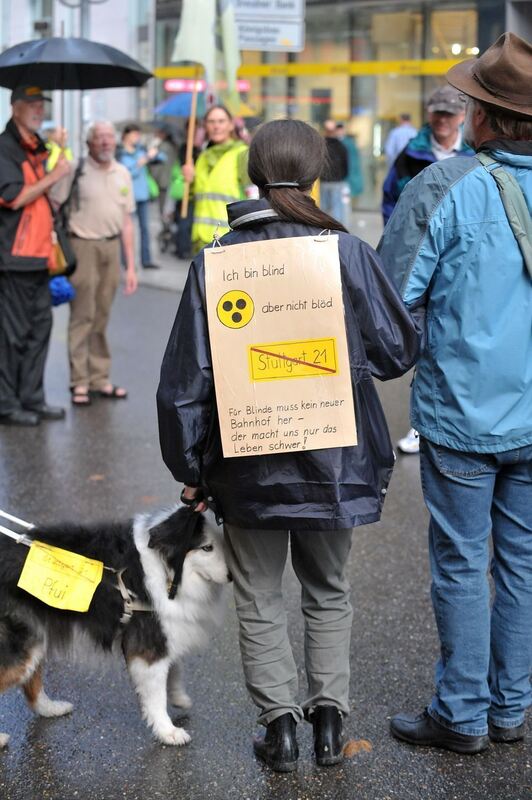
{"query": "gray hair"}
[(93, 125), (505, 124)]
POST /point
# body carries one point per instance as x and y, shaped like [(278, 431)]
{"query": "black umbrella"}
[(69, 63)]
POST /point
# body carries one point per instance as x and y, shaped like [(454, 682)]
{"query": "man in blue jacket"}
[(451, 248), (439, 139)]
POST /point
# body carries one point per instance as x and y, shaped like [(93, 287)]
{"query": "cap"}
[(30, 94), (446, 99)]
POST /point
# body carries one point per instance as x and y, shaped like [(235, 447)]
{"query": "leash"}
[(20, 538), (129, 598)]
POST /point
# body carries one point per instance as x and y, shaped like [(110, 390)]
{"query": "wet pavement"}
[(103, 462)]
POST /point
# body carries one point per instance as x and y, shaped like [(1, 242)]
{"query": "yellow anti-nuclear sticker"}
[(60, 578), (281, 360), (235, 309)]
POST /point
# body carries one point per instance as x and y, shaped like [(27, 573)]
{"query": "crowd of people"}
[(449, 289)]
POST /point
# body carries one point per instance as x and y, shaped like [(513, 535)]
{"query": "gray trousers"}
[(319, 558)]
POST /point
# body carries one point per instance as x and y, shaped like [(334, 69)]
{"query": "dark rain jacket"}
[(316, 489), (25, 233)]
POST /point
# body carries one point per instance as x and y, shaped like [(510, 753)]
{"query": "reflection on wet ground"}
[(103, 462)]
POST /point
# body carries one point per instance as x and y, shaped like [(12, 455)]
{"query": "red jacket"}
[(25, 233)]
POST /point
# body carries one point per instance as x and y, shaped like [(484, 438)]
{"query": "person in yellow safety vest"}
[(220, 176), (56, 143)]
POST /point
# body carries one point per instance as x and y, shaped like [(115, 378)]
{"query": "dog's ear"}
[(173, 538), (179, 527)]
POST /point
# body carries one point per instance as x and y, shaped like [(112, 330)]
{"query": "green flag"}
[(195, 40), (231, 53)]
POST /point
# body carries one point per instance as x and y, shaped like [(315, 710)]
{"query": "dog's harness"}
[(130, 599), (131, 602)]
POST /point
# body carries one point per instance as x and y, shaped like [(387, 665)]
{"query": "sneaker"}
[(409, 443)]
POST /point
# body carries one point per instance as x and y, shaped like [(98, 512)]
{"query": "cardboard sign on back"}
[(279, 346)]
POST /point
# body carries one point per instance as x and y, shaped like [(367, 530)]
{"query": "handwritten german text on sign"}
[(279, 346)]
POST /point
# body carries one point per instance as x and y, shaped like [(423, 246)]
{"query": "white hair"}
[(93, 125)]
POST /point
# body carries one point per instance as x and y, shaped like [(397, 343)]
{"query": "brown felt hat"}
[(501, 77)]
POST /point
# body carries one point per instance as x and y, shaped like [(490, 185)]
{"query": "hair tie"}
[(282, 185)]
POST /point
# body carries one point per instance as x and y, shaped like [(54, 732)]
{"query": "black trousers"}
[(25, 327), (183, 237)]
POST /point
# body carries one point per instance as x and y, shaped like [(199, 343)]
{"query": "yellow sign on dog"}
[(60, 578)]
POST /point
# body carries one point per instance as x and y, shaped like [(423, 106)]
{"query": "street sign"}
[(270, 24), (269, 35), (269, 9)]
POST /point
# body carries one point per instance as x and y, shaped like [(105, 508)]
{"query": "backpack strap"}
[(73, 195), (515, 206)]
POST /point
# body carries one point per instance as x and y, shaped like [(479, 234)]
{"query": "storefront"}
[(364, 62)]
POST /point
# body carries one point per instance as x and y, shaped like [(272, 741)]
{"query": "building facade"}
[(125, 24), (363, 63)]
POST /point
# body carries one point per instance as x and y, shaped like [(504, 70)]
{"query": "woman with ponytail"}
[(312, 499)]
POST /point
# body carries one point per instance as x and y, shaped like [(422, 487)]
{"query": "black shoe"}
[(424, 730), (150, 266), (48, 412), (507, 735), (328, 735), (20, 417), (278, 747)]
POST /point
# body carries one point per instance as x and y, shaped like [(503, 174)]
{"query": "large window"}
[(368, 100), (364, 62)]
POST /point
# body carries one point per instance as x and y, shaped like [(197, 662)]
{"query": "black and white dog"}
[(173, 565)]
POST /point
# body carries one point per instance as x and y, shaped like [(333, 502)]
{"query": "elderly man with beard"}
[(439, 139), (25, 254), (100, 206)]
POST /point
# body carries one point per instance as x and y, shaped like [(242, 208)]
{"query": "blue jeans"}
[(142, 216), (335, 200), (486, 654)]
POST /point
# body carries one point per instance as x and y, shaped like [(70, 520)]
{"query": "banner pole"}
[(190, 142)]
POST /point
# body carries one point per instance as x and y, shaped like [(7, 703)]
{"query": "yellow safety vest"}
[(212, 192), (55, 151)]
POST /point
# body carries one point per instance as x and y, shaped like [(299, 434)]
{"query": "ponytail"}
[(289, 151), (295, 205)]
